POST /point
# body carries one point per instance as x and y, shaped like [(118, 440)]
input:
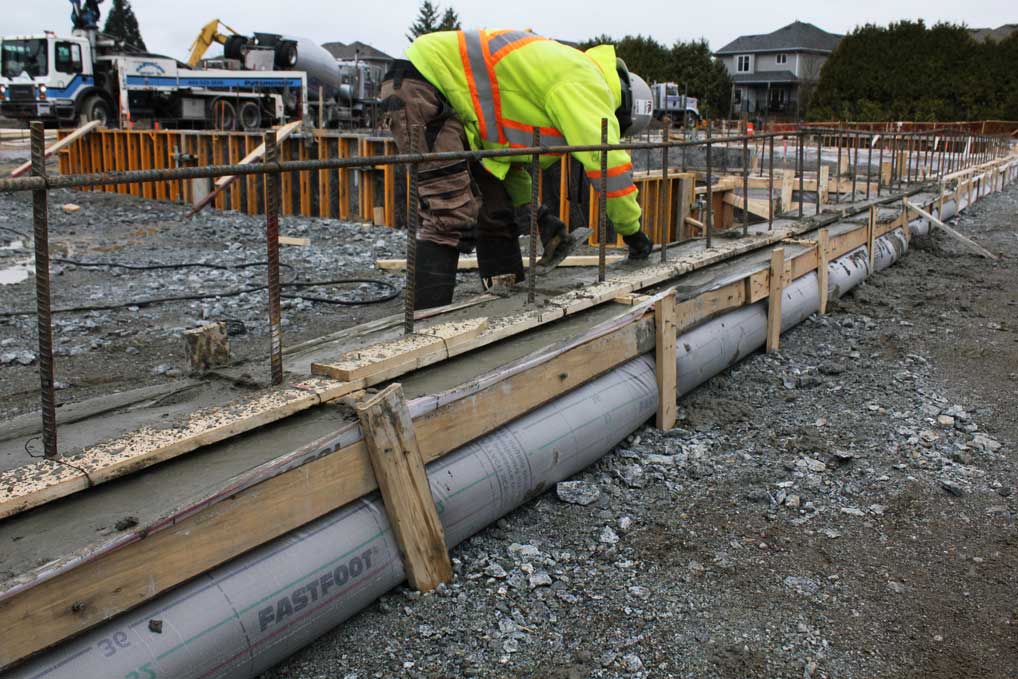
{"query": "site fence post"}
[(602, 204), (709, 194), (44, 321), (272, 197), (535, 179), (770, 189), (409, 289)]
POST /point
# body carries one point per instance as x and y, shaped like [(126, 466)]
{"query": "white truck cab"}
[(669, 101), (47, 76)]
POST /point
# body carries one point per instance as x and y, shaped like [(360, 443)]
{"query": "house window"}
[(782, 58), (742, 65)]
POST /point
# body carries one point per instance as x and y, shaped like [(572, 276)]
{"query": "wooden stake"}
[(399, 469), (666, 333), (777, 284), (823, 255)]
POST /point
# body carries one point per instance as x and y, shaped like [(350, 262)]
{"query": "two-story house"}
[(774, 73)]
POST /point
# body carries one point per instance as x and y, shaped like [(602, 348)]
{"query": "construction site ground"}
[(809, 517), (816, 513)]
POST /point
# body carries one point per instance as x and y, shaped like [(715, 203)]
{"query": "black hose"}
[(23, 235)]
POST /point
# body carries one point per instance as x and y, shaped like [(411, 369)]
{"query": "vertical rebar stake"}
[(665, 194), (820, 143), (880, 163), (770, 190), (855, 163), (869, 167), (745, 185), (802, 169), (535, 178), (409, 288), (272, 188), (40, 220), (709, 195), (602, 205), (837, 172)]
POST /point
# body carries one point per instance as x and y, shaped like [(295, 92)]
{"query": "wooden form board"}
[(776, 288), (470, 263), (61, 143), (399, 471), (153, 558), (666, 335)]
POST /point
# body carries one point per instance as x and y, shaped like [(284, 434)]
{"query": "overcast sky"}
[(169, 26)]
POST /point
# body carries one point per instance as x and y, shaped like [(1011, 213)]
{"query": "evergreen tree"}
[(450, 20), (123, 25), (427, 20)]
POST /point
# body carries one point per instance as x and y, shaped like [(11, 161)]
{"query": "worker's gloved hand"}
[(640, 246), (550, 226)]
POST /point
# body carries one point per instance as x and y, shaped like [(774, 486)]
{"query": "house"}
[(776, 71)]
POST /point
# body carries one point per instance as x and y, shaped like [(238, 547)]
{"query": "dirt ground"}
[(841, 508)]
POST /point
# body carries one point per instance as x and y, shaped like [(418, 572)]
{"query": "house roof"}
[(764, 77), (356, 49), (797, 35)]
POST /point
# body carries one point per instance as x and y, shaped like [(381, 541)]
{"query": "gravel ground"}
[(105, 351), (841, 508)]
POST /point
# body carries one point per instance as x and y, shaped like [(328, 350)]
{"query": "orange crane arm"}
[(209, 34)]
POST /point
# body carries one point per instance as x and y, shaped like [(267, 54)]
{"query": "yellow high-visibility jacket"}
[(503, 84)]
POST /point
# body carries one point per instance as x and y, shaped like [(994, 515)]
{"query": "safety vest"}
[(504, 84)]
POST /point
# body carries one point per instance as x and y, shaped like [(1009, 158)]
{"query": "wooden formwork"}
[(366, 194)]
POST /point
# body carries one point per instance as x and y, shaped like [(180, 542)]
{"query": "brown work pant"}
[(459, 200)]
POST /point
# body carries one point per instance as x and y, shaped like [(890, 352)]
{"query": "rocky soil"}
[(841, 508)]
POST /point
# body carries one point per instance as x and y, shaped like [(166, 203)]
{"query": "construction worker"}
[(489, 89)]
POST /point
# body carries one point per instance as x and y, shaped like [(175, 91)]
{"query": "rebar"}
[(801, 164), (770, 190), (602, 206), (409, 285), (837, 173), (709, 195), (745, 186), (665, 194), (535, 180), (820, 141), (869, 166), (855, 163), (880, 163), (44, 321), (272, 199)]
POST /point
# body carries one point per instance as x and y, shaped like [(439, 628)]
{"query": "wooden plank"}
[(757, 206), (145, 155), (305, 182), (776, 288), (951, 232), (470, 263), (824, 185), (403, 483), (294, 240), (233, 146), (344, 180), (160, 162), (250, 181), (59, 144), (218, 158), (823, 272), (666, 334), (686, 197), (409, 352), (324, 188), (787, 176)]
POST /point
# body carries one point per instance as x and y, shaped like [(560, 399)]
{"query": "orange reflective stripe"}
[(612, 171), (621, 192), (522, 135), (502, 52)]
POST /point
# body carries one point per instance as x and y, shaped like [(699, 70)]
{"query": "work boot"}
[(434, 274), (640, 246), (556, 239), (499, 257)]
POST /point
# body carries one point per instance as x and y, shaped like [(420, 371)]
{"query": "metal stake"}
[(409, 286), (535, 179), (272, 186), (770, 190), (745, 186), (802, 167), (820, 142), (602, 202), (44, 322), (710, 190), (837, 194), (855, 164), (665, 194), (869, 167)]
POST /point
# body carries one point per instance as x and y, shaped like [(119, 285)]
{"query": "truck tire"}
[(250, 116), (96, 108), (223, 115)]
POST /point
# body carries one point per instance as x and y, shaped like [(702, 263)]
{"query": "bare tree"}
[(809, 76)]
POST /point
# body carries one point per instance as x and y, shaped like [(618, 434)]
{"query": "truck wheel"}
[(96, 108), (223, 115), (250, 116)]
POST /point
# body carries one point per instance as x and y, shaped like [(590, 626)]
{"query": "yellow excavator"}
[(208, 35)]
